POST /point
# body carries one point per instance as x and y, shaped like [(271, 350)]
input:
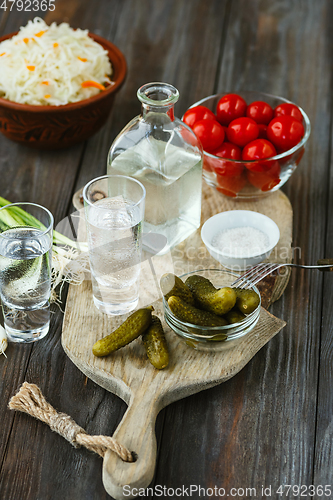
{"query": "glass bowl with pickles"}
[(205, 311)]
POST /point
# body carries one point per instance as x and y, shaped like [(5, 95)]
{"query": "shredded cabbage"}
[(52, 65)]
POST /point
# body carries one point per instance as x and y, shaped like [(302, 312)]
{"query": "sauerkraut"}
[(52, 65)]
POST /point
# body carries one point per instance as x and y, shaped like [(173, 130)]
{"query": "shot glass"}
[(114, 210), (25, 270)]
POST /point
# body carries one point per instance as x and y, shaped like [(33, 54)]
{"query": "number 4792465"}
[(28, 5)]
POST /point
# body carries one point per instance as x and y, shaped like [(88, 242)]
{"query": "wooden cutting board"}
[(128, 374)]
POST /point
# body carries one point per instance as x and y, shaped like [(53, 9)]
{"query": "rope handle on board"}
[(29, 399)]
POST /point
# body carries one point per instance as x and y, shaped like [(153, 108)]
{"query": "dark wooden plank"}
[(162, 41), (154, 60), (48, 366), (160, 44), (26, 176), (161, 54), (259, 428), (46, 178), (100, 17), (324, 431), (3, 18), (63, 471), (14, 18), (222, 436)]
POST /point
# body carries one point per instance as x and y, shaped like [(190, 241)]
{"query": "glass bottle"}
[(164, 154)]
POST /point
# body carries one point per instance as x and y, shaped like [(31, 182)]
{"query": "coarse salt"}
[(241, 242)]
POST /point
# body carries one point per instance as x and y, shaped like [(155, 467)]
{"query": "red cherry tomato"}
[(285, 132), (208, 164), (221, 166), (288, 109), (229, 107), (210, 133), (258, 149), (225, 131), (228, 150), (187, 135), (171, 114), (229, 168), (230, 175), (197, 113), (230, 185), (262, 131), (260, 112), (265, 181), (242, 130)]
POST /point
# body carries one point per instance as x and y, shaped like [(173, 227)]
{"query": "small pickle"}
[(155, 344), (247, 300), (131, 329), (234, 316), (190, 314), (218, 301), (172, 285), (200, 284)]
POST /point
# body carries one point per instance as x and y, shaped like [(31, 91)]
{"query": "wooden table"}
[(272, 424)]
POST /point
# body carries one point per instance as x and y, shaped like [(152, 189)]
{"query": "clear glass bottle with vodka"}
[(164, 154)]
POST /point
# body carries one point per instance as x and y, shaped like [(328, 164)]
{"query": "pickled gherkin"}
[(128, 331), (247, 300), (190, 314), (155, 344), (172, 285), (234, 316), (218, 301), (200, 284)]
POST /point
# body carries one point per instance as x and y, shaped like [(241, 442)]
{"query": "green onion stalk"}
[(69, 258)]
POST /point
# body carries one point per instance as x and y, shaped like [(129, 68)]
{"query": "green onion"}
[(16, 215), (70, 258)]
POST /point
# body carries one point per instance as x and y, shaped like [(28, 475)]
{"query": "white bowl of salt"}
[(240, 239)]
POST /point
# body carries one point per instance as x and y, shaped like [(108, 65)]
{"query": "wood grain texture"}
[(323, 462), (127, 374), (46, 178), (25, 176), (268, 48), (271, 423), (56, 375), (162, 41)]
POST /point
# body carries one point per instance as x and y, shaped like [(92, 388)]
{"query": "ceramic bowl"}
[(233, 219), (217, 338), (55, 127), (257, 178)]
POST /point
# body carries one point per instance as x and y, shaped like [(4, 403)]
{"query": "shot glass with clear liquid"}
[(114, 210), (25, 270)]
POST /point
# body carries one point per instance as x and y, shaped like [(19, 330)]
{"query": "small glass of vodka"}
[(25, 270), (114, 210)]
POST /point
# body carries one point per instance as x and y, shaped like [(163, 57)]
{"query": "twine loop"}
[(65, 426), (29, 399)]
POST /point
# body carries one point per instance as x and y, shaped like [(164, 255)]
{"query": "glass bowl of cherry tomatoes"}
[(252, 141)]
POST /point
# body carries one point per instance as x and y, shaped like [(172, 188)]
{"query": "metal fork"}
[(260, 271)]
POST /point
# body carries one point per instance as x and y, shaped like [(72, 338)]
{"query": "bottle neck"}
[(168, 111), (158, 98)]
